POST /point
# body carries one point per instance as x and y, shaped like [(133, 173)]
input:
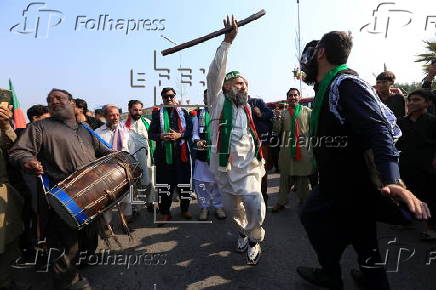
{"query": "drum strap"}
[(96, 135)]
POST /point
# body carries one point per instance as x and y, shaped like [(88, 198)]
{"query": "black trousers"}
[(64, 244), (331, 229), (422, 183), (170, 178)]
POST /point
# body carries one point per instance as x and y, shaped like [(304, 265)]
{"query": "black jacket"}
[(264, 123), (154, 133)]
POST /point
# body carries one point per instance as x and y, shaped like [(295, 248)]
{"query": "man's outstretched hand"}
[(230, 36), (415, 206)]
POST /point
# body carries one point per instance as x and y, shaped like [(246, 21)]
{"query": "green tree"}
[(428, 56), (407, 88)]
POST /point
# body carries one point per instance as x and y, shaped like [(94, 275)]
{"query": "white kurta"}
[(240, 181), (243, 162), (108, 135)]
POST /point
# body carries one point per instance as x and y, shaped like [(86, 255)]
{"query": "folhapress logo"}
[(38, 20)]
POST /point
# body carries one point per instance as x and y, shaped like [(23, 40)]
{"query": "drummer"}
[(56, 147)]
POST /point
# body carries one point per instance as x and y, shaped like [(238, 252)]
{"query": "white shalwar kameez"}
[(240, 181)]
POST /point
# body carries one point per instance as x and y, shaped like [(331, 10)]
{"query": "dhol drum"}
[(95, 188)]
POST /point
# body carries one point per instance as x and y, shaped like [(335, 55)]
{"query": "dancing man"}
[(236, 159), (348, 121)]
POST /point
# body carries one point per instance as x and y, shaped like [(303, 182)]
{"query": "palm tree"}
[(429, 55)]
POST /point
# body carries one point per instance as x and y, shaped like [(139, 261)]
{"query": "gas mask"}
[(309, 63)]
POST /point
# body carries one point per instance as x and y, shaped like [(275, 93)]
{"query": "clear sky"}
[(96, 64)]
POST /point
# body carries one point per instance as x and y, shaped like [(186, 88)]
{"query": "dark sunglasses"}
[(168, 96)]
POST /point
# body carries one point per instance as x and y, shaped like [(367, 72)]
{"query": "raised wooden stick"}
[(213, 34)]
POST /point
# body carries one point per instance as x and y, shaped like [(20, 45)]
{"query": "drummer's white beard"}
[(237, 98)]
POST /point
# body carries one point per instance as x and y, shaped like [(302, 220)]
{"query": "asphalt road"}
[(202, 256)]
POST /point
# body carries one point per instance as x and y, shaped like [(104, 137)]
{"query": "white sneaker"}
[(242, 244), (253, 254), (204, 212)]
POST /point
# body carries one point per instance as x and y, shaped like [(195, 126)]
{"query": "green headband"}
[(232, 75)]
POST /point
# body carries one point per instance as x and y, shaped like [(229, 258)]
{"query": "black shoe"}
[(318, 277), (360, 279)]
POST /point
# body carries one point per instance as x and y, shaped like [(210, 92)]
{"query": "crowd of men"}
[(223, 152)]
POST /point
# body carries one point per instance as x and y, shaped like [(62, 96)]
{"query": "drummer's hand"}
[(230, 36), (415, 206), (33, 167)]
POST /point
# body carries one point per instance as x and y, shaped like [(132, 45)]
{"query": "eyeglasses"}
[(168, 96)]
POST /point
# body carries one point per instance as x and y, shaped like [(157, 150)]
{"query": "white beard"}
[(237, 98)]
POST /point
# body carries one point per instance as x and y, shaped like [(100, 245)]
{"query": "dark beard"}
[(66, 114), (136, 117), (311, 71), (237, 98)]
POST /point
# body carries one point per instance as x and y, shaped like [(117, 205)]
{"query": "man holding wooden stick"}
[(236, 158)]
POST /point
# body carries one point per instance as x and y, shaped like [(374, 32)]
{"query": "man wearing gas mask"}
[(340, 211)]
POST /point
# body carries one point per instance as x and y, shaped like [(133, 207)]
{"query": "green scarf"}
[(151, 143), (168, 145), (225, 131), (319, 97), (293, 130)]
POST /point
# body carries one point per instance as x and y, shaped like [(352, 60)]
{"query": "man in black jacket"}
[(171, 128), (349, 123), (263, 117)]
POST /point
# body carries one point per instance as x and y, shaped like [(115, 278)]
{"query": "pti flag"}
[(19, 120)]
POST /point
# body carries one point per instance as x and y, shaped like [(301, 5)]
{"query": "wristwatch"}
[(398, 181)]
